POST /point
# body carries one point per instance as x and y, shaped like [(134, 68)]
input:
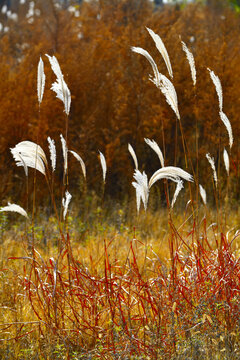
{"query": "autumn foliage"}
[(113, 101)]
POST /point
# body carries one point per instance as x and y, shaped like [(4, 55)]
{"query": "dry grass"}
[(118, 294)]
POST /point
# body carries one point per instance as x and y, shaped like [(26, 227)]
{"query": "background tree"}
[(113, 101)]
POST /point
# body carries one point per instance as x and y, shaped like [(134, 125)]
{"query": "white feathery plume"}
[(191, 62), (217, 83), (228, 126), (104, 165), (203, 194), (65, 203), (138, 194), (60, 87), (170, 172), (161, 82), (142, 190), (162, 49), (65, 153), (55, 66), (40, 80), (29, 154), (19, 160), (133, 154), (146, 54), (78, 157), (177, 191), (63, 94), (211, 162), (16, 208), (153, 145), (52, 150), (168, 90), (226, 160)]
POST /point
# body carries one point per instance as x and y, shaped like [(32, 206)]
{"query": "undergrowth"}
[(118, 295)]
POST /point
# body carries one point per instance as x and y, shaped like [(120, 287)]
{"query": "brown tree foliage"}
[(113, 101)]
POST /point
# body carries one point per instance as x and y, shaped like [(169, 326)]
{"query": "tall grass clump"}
[(159, 285)]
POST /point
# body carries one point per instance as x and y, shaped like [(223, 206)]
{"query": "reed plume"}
[(218, 86), (153, 145), (104, 166), (203, 194), (142, 189), (168, 90), (228, 126), (65, 153), (78, 157), (170, 172), (65, 203), (226, 160), (162, 49), (211, 162), (191, 62), (29, 154), (177, 191), (40, 80), (161, 82), (223, 116), (133, 154), (15, 208), (146, 54), (60, 87), (52, 150)]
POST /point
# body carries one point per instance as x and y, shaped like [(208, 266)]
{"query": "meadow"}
[(116, 292), (155, 275)]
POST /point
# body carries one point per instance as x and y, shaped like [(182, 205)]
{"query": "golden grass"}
[(23, 334)]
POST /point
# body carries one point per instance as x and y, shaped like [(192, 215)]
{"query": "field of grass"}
[(116, 282), (141, 290)]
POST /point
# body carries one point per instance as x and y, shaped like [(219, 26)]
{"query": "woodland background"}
[(113, 101)]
